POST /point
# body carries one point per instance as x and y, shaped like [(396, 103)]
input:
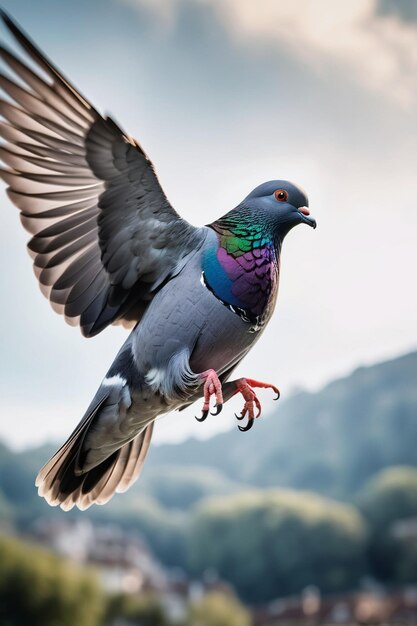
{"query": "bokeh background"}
[(312, 516)]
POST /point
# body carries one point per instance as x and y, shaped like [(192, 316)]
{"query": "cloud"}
[(374, 41)]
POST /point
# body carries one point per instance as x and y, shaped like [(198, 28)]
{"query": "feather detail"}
[(176, 379), (242, 271)]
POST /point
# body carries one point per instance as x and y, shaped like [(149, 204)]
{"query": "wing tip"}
[(5, 16), (11, 24)]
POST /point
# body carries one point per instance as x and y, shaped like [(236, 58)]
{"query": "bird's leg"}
[(212, 387), (245, 386)]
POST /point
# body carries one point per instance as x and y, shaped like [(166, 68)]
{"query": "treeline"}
[(40, 589), (271, 543), (274, 543)]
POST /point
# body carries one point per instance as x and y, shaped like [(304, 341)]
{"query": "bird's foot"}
[(212, 387), (245, 387)]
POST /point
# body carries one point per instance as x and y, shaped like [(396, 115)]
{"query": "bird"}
[(109, 248)]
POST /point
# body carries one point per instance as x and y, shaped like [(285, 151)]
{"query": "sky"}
[(224, 95)]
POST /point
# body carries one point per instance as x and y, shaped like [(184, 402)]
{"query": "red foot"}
[(212, 387), (244, 386)]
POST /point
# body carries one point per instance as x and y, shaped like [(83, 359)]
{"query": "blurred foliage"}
[(17, 489), (218, 609), (389, 496), (133, 609), (271, 544), (40, 589), (6, 512), (389, 503), (181, 487)]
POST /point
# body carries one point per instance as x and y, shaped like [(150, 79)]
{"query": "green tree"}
[(218, 609), (388, 501), (144, 610), (6, 512), (389, 496), (40, 589), (181, 487), (274, 543)]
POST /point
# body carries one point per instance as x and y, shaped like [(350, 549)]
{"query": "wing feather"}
[(104, 236)]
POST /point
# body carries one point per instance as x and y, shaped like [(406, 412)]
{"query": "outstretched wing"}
[(104, 236)]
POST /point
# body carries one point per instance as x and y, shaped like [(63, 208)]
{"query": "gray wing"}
[(104, 236)]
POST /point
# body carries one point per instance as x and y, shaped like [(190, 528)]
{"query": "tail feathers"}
[(62, 485)]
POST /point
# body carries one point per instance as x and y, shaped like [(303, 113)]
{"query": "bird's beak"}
[(305, 216)]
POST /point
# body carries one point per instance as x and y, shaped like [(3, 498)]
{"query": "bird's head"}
[(280, 204)]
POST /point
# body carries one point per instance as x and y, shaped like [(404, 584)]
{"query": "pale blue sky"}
[(224, 97)]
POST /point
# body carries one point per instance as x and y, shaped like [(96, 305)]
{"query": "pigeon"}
[(108, 248)]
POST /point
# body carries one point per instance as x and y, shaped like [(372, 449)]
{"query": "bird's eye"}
[(281, 195)]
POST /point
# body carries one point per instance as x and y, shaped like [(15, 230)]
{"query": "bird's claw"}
[(249, 409), (204, 415), (245, 387), (244, 429), (212, 387)]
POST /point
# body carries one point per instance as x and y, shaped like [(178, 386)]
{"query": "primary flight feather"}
[(108, 247)]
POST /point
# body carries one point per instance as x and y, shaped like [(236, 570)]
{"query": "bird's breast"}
[(245, 282)]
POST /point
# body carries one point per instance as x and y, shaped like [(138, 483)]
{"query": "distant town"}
[(125, 565)]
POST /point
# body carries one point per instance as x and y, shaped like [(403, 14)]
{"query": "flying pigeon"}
[(108, 248)]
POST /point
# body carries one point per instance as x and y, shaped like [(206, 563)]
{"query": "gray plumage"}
[(109, 248)]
